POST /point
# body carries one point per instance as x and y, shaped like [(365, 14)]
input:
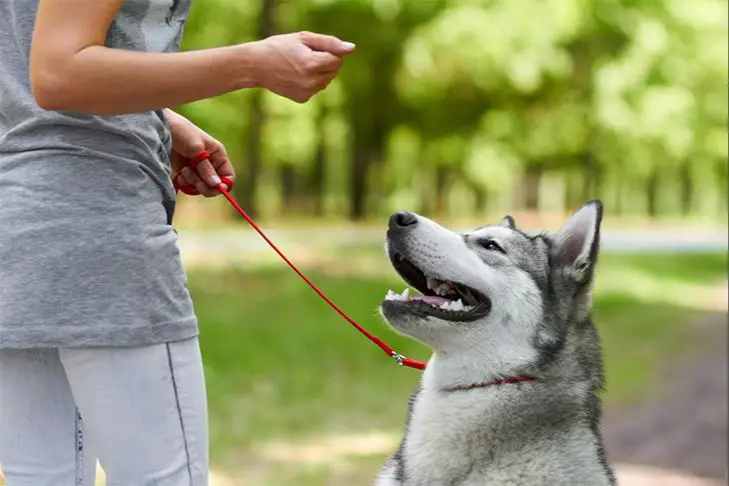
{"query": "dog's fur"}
[(543, 432)]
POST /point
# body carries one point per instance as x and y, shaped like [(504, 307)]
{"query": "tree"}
[(450, 105)]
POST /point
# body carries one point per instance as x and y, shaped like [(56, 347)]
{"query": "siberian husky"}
[(510, 395)]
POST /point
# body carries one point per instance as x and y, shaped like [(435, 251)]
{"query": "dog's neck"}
[(502, 381), (466, 428), (447, 372)]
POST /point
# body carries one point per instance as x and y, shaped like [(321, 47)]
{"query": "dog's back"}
[(511, 394)]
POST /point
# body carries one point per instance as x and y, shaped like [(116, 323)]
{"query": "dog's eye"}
[(491, 245)]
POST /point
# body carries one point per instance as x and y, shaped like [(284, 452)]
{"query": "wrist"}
[(247, 65), (169, 114), (173, 119)]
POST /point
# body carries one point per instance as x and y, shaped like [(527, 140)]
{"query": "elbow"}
[(51, 82), (46, 99), (48, 90)]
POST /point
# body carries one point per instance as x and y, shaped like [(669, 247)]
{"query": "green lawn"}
[(281, 366)]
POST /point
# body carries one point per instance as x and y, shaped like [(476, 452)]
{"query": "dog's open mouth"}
[(446, 300)]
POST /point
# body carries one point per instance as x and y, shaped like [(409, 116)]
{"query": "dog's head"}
[(495, 298)]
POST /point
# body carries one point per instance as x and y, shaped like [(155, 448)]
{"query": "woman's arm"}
[(71, 69)]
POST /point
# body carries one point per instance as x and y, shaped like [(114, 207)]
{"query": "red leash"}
[(400, 359)]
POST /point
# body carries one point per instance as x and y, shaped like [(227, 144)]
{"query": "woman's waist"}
[(67, 177), (33, 228), (119, 135)]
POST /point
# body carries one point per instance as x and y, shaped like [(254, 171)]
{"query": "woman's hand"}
[(187, 142), (297, 66)]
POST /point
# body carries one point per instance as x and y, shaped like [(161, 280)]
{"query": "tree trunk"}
[(441, 191), (376, 191), (687, 189), (317, 177), (358, 180), (367, 149), (618, 208), (592, 186), (480, 199), (288, 187), (572, 193), (652, 193), (720, 175), (532, 183), (247, 190)]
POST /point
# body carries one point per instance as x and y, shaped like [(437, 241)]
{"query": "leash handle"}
[(399, 359)]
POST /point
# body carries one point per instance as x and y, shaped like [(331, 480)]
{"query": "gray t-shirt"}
[(87, 253)]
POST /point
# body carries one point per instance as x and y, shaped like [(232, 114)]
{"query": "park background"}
[(462, 110)]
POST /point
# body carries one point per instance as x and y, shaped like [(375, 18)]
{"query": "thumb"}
[(326, 43)]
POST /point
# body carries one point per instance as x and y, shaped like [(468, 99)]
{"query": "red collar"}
[(503, 381)]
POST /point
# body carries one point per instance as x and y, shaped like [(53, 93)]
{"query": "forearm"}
[(104, 81)]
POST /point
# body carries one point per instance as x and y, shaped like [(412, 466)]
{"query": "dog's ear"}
[(508, 222), (576, 244)]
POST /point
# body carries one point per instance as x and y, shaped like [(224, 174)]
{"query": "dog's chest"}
[(448, 435), (469, 439)]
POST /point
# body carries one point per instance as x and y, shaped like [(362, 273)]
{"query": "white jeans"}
[(142, 412)]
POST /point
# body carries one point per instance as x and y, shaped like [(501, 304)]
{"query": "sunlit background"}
[(463, 111)]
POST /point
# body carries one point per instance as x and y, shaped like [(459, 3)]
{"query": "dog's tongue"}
[(429, 299)]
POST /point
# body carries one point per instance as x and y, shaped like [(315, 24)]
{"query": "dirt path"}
[(686, 429)]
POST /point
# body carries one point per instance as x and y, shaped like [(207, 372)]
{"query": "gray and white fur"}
[(531, 317)]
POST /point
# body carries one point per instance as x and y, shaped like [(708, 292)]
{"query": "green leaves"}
[(476, 92)]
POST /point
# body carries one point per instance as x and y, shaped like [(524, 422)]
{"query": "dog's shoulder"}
[(388, 475), (393, 473)]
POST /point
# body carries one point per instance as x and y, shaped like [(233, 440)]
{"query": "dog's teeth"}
[(445, 306), (457, 305), (431, 282), (395, 296)]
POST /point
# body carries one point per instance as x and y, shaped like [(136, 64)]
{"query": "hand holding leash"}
[(199, 173), (191, 190)]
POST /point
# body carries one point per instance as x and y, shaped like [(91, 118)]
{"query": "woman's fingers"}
[(206, 175), (189, 178)]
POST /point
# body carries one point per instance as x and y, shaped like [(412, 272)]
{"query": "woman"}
[(99, 357)]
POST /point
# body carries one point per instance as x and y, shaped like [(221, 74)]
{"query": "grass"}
[(281, 366), (291, 385)]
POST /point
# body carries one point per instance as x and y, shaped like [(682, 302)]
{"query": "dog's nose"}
[(402, 219)]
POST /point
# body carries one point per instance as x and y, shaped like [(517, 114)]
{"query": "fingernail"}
[(347, 45), (216, 180)]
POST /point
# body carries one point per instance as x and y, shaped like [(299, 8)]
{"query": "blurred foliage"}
[(463, 106)]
